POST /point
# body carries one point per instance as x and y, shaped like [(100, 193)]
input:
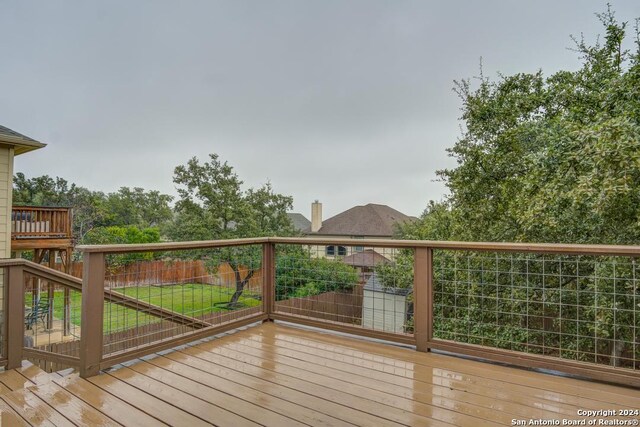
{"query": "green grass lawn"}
[(189, 299)]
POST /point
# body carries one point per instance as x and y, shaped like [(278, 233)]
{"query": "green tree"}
[(300, 275), (545, 159), (89, 208), (43, 191), (553, 159), (138, 207), (211, 191), (213, 205), (129, 234), (92, 209)]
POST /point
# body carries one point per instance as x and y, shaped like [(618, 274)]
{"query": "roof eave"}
[(21, 145)]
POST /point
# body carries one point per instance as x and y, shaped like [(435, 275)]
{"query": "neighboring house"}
[(299, 221), (11, 144), (371, 221), (365, 262)]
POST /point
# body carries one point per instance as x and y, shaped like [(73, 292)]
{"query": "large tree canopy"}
[(548, 159), (542, 159), (93, 210), (213, 205)]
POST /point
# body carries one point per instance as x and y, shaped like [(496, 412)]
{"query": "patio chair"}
[(39, 311)]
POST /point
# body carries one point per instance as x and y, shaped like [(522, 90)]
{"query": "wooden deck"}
[(279, 375)]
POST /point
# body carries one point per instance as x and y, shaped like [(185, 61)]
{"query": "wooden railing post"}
[(423, 297), (268, 279), (92, 313), (14, 277)]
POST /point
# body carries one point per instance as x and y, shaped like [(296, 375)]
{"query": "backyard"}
[(189, 299)]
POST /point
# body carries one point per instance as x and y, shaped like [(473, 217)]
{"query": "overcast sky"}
[(348, 102)]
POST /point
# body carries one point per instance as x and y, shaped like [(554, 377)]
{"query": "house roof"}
[(368, 220), (21, 143), (366, 258), (300, 222), (375, 284)]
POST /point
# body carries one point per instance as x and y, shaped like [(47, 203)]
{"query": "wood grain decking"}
[(278, 375)]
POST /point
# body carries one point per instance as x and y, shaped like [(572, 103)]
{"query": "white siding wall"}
[(383, 311), (6, 185)]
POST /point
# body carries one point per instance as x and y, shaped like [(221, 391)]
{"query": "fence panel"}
[(156, 297), (365, 288)]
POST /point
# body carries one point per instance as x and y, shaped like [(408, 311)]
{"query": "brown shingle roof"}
[(368, 220), (21, 142), (8, 132), (366, 258), (299, 221)]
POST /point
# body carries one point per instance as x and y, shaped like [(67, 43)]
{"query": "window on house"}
[(358, 248), (332, 251)]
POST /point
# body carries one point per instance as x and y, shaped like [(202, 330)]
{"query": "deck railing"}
[(568, 308), (35, 324), (38, 222)]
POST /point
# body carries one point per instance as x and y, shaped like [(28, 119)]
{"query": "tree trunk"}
[(240, 284)]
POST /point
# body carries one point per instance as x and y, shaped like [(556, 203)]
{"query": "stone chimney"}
[(316, 216)]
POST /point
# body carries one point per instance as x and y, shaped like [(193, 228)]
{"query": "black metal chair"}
[(39, 311)]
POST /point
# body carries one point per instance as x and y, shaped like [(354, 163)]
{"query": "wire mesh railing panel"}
[(52, 316), (369, 287), (153, 297), (578, 308)]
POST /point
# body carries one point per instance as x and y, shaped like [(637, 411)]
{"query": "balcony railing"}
[(36, 222), (568, 308)]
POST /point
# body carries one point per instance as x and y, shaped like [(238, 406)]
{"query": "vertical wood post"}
[(66, 314), (14, 281), (50, 293), (69, 226), (423, 298), (92, 313), (268, 279)]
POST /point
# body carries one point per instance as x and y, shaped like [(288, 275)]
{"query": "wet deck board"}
[(276, 375)]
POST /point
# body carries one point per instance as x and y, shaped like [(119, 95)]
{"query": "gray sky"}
[(348, 102)]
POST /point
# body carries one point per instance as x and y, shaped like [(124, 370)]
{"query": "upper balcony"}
[(266, 332), (40, 227)]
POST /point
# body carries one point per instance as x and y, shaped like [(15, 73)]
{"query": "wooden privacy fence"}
[(343, 307), (153, 272), (169, 272)]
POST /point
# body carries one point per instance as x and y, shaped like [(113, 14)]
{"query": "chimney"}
[(316, 216)]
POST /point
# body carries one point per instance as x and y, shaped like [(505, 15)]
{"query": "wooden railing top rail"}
[(117, 298), (44, 272), (170, 246), (543, 248), (41, 208)]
